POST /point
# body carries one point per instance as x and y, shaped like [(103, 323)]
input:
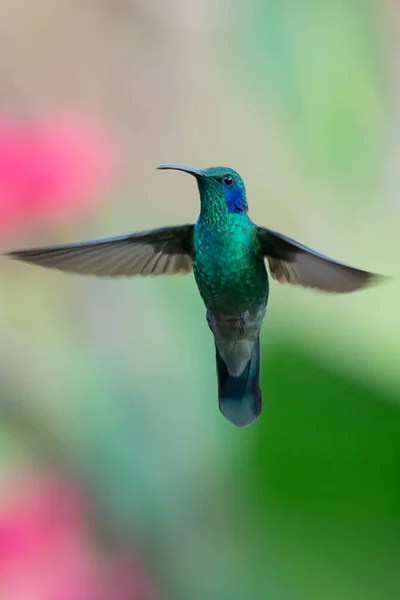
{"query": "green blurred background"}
[(113, 382)]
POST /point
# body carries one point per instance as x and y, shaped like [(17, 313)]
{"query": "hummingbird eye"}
[(228, 179)]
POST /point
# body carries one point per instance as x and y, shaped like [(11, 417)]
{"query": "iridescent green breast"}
[(228, 265)]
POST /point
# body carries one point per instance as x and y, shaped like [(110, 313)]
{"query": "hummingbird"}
[(227, 253)]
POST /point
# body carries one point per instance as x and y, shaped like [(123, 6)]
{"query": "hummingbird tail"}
[(239, 397)]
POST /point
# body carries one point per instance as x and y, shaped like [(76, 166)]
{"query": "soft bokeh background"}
[(118, 476)]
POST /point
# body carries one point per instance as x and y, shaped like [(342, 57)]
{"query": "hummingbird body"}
[(227, 252), (228, 266), (233, 282)]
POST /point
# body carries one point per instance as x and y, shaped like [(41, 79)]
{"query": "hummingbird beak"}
[(195, 172)]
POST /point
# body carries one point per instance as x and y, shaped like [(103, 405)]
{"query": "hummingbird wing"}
[(293, 263), (154, 252)]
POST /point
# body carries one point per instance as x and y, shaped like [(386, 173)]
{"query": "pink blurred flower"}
[(45, 554), (50, 168)]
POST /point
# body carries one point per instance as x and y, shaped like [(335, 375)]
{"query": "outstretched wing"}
[(293, 263), (154, 252)]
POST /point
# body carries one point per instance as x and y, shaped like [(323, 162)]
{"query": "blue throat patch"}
[(235, 199)]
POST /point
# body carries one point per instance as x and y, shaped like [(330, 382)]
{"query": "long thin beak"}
[(194, 172)]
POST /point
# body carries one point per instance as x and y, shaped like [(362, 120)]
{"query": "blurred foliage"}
[(327, 93), (328, 454)]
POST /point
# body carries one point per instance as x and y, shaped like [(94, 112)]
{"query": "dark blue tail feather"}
[(240, 398)]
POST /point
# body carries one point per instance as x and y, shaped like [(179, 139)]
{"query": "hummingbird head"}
[(221, 188)]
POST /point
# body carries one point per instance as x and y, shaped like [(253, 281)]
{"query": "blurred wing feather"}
[(155, 252), (295, 264)]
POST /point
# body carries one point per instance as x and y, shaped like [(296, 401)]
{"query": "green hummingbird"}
[(227, 253)]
